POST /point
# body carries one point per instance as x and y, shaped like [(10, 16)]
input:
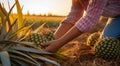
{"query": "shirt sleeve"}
[(75, 14), (93, 13)]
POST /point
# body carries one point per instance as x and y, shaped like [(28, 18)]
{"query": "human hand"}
[(52, 46)]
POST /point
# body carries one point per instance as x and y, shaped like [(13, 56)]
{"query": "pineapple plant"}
[(42, 37), (14, 51), (108, 48), (93, 38), (39, 35)]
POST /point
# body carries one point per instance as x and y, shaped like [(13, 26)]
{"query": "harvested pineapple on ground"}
[(108, 48)]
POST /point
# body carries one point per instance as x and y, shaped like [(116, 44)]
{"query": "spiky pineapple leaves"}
[(25, 56), (4, 20), (8, 29), (20, 22), (20, 15), (46, 60), (32, 50), (39, 28)]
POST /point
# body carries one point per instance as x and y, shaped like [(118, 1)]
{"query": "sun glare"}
[(59, 7), (45, 6)]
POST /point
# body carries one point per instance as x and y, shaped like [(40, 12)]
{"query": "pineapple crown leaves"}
[(25, 33), (18, 63), (32, 50), (47, 60), (39, 28), (8, 33), (24, 60), (33, 61), (3, 12), (20, 16), (41, 58), (3, 30)]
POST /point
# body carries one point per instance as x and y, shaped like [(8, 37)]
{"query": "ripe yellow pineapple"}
[(93, 38)]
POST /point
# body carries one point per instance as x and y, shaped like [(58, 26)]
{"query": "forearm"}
[(70, 35), (58, 43), (62, 29), (74, 15)]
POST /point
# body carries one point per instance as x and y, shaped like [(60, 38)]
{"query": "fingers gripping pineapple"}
[(108, 48)]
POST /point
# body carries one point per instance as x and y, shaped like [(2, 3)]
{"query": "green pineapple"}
[(108, 48), (37, 38), (93, 38), (41, 38), (49, 35)]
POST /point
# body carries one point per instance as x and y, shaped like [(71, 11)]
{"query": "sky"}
[(57, 7)]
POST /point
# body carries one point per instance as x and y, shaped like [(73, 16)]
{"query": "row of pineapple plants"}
[(14, 51), (106, 48)]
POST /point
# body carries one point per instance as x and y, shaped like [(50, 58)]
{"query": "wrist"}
[(62, 41), (70, 35), (55, 46)]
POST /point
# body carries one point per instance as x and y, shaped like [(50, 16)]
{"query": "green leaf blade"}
[(5, 58), (32, 50)]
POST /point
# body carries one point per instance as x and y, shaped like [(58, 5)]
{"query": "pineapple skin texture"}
[(41, 38), (108, 48)]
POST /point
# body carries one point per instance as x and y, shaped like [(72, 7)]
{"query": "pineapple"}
[(92, 39), (41, 38), (37, 38), (49, 35), (108, 48)]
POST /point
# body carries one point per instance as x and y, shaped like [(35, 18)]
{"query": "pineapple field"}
[(21, 37)]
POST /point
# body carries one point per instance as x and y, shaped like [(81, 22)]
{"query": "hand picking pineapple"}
[(76, 23), (41, 38)]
